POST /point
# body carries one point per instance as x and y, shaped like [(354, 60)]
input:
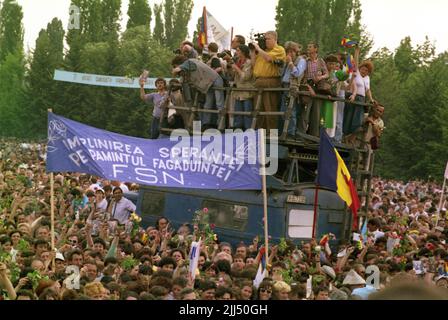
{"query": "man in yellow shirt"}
[(267, 65)]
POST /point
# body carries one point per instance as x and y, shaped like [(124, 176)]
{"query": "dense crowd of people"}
[(103, 252), (265, 64)]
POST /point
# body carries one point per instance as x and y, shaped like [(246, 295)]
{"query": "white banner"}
[(219, 34), (103, 80)]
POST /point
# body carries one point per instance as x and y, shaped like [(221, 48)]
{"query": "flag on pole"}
[(217, 33), (262, 270), (202, 39), (332, 173), (195, 252)]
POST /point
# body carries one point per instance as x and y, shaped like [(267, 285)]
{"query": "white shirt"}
[(122, 210), (362, 84), (102, 205)]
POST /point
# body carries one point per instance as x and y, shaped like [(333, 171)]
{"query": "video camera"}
[(261, 40)]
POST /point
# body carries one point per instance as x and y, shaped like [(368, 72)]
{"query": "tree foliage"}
[(413, 85), (325, 22), (11, 29), (139, 13)]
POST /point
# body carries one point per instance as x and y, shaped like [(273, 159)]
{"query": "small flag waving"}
[(332, 173), (348, 43), (262, 271), (194, 259), (202, 39)]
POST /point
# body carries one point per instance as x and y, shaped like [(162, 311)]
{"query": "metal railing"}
[(227, 112)]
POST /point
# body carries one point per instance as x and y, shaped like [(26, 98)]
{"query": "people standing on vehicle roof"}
[(266, 68), (156, 98)]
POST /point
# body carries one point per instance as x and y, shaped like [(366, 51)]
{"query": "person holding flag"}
[(262, 267)]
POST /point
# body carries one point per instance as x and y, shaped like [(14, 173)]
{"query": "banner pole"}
[(53, 262), (441, 201), (265, 194), (231, 38), (316, 200)]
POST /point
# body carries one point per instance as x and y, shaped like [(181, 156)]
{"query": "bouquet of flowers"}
[(203, 228), (135, 220), (128, 263), (35, 277)]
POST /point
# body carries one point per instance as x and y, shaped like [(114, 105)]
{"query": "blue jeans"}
[(243, 122), (353, 116), (155, 128), (214, 99), (284, 104)]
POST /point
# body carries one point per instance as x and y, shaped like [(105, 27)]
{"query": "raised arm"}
[(6, 283)]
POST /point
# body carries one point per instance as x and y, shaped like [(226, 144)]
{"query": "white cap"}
[(59, 256), (353, 278), (329, 271)]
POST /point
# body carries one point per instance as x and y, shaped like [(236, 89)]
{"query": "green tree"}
[(111, 11), (413, 142), (11, 29), (177, 14), (139, 13), (12, 96), (159, 29), (12, 70), (42, 91), (406, 58), (322, 21)]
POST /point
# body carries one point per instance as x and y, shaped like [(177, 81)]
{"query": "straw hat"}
[(329, 271), (354, 279)]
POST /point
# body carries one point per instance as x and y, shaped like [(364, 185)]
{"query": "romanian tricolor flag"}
[(262, 267), (332, 173), (202, 38)]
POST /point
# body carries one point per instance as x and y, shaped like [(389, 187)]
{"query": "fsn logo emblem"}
[(74, 18)]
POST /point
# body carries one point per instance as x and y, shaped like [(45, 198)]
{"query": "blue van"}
[(238, 215)]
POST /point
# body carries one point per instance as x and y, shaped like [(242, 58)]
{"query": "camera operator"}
[(266, 64), (203, 78)]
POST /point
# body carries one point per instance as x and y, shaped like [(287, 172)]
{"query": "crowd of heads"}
[(99, 257)]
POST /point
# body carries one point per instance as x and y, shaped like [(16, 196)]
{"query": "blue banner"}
[(208, 161)]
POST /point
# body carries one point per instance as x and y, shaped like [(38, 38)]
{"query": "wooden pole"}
[(316, 203), (231, 38), (53, 262), (265, 194), (441, 201)]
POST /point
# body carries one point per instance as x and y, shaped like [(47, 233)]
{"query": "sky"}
[(388, 21)]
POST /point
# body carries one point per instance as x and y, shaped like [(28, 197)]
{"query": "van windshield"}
[(227, 215)]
